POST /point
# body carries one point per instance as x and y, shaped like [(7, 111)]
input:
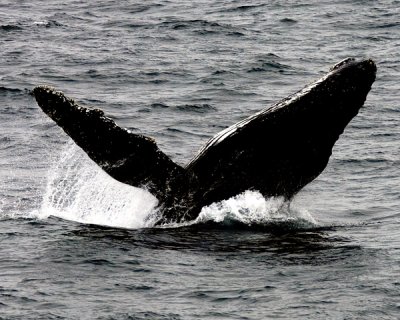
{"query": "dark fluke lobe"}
[(276, 151), (129, 158)]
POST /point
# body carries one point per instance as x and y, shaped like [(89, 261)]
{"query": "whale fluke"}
[(130, 158), (276, 151)]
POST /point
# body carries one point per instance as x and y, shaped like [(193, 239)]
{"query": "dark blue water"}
[(75, 244)]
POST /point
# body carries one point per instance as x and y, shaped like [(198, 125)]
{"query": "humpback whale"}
[(276, 151)]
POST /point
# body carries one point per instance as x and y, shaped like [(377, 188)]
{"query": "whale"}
[(276, 151)]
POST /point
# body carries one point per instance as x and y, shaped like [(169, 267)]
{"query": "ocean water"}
[(75, 244)]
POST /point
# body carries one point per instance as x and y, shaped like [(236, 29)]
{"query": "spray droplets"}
[(251, 208), (79, 190)]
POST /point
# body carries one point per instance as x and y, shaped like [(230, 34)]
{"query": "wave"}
[(140, 8), (10, 27), (10, 91), (203, 27), (271, 66), (243, 8), (288, 21), (187, 24), (159, 105), (368, 161), (198, 108), (25, 25)]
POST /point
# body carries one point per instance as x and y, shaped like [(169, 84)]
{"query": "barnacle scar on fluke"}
[(276, 151)]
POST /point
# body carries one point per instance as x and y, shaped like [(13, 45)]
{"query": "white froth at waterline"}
[(79, 190), (251, 208)]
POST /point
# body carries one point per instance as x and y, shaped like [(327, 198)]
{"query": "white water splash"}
[(251, 208), (79, 190)]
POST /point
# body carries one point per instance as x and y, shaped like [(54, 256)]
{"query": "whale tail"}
[(276, 151), (130, 158)]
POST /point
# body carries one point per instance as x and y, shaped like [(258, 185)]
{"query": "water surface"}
[(75, 244)]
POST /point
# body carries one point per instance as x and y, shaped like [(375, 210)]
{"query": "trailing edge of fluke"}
[(276, 151)]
